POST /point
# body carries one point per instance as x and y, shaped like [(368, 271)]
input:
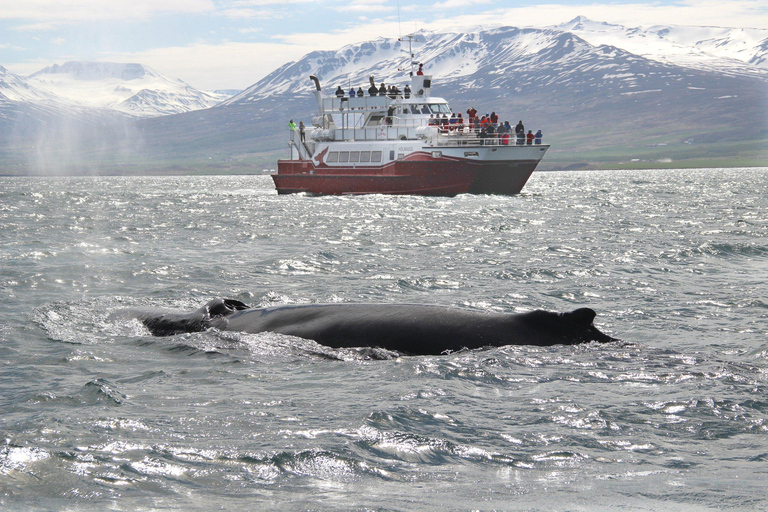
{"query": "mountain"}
[(727, 50), (133, 89), (595, 103), (598, 103)]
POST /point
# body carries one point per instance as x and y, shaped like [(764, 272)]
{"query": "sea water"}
[(99, 415)]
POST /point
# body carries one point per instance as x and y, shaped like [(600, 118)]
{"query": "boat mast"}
[(410, 38)]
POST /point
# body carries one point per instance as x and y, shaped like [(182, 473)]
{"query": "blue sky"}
[(222, 44)]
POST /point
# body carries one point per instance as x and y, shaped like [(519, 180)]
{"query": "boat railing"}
[(361, 103)]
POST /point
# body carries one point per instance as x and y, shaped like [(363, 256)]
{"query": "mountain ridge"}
[(597, 103)]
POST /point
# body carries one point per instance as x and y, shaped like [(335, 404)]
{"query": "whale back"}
[(570, 328)]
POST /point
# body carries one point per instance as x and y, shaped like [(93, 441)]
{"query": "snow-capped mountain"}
[(588, 97), (134, 89), (728, 50), (670, 99), (504, 62), (16, 88)]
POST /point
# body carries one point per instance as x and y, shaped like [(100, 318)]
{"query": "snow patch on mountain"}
[(739, 51), (130, 88), (16, 88)]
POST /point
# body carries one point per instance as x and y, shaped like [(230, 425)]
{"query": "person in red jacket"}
[(471, 113), (530, 137)]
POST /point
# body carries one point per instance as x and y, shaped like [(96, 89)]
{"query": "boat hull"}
[(416, 174)]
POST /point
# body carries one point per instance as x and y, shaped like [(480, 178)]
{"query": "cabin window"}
[(392, 155), (375, 156), (365, 156), (354, 156), (415, 109), (440, 108), (375, 119), (344, 156), (425, 109), (333, 156)]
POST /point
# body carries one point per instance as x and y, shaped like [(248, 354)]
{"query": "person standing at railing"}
[(360, 92), (520, 132), (292, 128), (407, 91), (339, 92), (383, 90), (373, 91), (530, 137), (352, 92), (538, 137), (301, 131), (452, 122), (471, 113), (494, 118)]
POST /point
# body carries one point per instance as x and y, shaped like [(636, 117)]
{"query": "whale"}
[(409, 329)]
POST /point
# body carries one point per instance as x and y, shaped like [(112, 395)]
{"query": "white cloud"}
[(230, 65), (367, 6), (58, 11)]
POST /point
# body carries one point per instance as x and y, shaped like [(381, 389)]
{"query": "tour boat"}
[(389, 144)]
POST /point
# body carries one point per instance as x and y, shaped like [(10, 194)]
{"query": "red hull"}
[(418, 174)]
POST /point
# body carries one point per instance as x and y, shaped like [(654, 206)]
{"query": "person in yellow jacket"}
[(292, 127)]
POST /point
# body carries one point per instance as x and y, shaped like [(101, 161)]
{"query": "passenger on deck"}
[(471, 113), (339, 92), (292, 127), (538, 137), (360, 92), (505, 138), (432, 120), (301, 131), (407, 91), (482, 136), (452, 122), (373, 91), (460, 122), (352, 92), (530, 137), (420, 72), (520, 132), (383, 90), (494, 118), (507, 127)]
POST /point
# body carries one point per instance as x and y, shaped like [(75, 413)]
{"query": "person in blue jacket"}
[(538, 137)]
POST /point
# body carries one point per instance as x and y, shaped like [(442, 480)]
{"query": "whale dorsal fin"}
[(583, 316), (224, 307)]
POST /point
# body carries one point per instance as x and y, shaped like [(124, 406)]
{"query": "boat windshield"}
[(439, 108)]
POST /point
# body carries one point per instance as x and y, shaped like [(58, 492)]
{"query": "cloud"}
[(229, 65), (58, 11), (367, 6)]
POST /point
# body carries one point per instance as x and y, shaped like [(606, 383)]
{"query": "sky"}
[(231, 44)]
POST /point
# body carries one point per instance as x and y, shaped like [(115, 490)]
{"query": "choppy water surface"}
[(102, 416)]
